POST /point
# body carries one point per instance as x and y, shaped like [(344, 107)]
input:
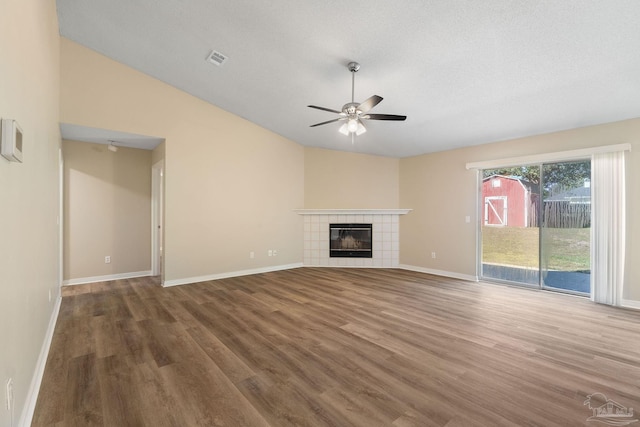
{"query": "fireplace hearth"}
[(350, 240)]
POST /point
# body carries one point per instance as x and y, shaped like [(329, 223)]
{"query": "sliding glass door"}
[(536, 225), (566, 227), (510, 235)]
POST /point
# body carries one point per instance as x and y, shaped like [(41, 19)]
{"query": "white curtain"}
[(607, 227)]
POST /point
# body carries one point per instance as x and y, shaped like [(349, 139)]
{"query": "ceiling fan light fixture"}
[(354, 112), (352, 125)]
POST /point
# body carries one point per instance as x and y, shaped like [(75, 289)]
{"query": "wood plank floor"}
[(334, 347)]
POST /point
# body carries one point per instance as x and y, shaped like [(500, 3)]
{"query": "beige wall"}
[(107, 210), (442, 192), (230, 185), (341, 180), (29, 83)]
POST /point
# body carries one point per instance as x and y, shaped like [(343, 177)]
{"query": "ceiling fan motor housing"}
[(351, 108)]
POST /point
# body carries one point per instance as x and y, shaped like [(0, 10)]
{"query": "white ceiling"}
[(464, 72)]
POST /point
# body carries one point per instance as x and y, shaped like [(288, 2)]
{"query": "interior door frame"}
[(157, 219), (60, 219)]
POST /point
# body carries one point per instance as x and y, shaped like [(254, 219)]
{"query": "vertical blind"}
[(608, 227)]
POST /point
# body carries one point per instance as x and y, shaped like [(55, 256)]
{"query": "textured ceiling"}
[(464, 72)]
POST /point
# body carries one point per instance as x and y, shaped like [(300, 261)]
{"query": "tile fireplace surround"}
[(385, 236)]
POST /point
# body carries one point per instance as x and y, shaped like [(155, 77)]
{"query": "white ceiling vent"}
[(217, 58)]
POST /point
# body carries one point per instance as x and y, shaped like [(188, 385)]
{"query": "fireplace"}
[(350, 240), (385, 236)]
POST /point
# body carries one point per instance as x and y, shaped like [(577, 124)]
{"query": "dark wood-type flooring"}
[(334, 347)]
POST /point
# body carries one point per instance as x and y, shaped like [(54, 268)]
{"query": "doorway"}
[(536, 228)]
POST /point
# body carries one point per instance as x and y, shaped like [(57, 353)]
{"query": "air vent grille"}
[(217, 58)]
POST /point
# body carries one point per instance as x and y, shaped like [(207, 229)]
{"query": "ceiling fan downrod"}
[(353, 67)]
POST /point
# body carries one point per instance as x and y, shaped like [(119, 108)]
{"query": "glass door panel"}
[(510, 233), (566, 227)]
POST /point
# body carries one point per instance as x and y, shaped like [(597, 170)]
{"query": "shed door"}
[(495, 210)]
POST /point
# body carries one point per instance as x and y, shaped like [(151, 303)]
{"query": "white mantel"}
[(352, 211), (385, 236)]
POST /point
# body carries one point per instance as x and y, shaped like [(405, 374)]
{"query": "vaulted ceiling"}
[(463, 72)]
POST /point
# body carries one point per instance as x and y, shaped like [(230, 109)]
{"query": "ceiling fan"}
[(353, 113)]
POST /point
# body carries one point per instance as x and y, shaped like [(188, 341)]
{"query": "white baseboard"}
[(94, 279), (439, 272), (32, 395), (188, 280), (630, 303)]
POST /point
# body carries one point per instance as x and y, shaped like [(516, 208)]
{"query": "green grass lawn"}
[(565, 249)]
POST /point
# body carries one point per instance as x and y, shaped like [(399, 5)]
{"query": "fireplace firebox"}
[(350, 240)]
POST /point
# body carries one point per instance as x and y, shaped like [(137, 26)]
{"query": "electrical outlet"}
[(270, 252), (275, 252), (107, 259), (252, 255), (9, 394), (433, 255)]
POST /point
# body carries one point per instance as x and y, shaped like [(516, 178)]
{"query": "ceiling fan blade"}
[(370, 103), (324, 109), (383, 117), (328, 121)]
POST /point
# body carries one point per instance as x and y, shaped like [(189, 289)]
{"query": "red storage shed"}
[(507, 201)]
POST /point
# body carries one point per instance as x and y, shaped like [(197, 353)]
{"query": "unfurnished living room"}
[(233, 213)]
